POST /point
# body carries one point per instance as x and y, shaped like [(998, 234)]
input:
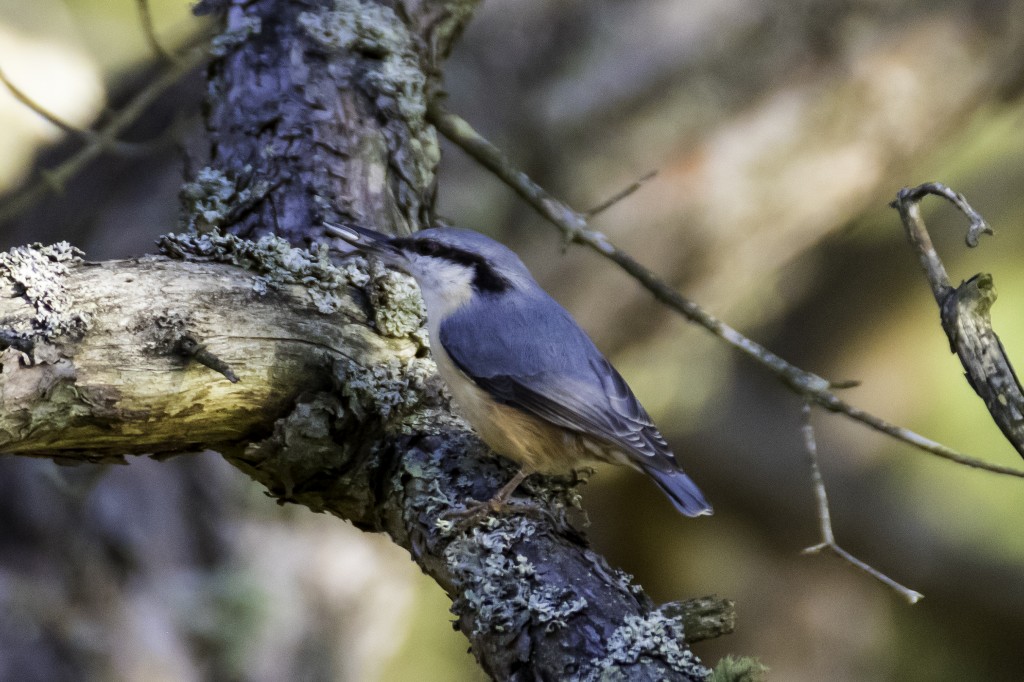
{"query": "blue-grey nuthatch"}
[(521, 371)]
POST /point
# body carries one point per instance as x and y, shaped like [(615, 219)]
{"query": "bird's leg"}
[(498, 504), (500, 499)]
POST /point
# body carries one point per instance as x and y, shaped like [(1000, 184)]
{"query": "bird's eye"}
[(423, 247), (485, 276)]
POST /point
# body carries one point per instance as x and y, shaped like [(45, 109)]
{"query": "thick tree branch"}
[(328, 414), (120, 383)]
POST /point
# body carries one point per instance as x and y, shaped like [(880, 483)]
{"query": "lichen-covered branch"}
[(91, 358), (964, 311), (327, 414)]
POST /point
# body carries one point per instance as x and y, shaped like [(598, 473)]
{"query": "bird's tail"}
[(683, 492)]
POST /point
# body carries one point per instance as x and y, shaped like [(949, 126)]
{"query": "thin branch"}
[(148, 30), (964, 312), (102, 140), (50, 117), (620, 195), (828, 538), (87, 135), (574, 227), (824, 517)]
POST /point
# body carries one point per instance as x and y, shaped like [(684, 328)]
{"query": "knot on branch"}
[(189, 347), (326, 453)]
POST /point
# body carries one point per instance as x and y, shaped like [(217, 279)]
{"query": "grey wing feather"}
[(545, 364), (535, 357)]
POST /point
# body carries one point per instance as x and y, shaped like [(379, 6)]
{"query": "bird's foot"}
[(476, 511), (499, 504)]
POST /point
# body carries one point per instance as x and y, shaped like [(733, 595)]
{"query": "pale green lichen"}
[(274, 261), (376, 31), (38, 274), (396, 77), (354, 25), (213, 198), (398, 309), (739, 669), (499, 586), (654, 636), (300, 449), (390, 390)]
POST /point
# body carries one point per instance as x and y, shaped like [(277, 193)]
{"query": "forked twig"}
[(828, 538)]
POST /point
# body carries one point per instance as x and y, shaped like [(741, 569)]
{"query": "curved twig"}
[(149, 30), (964, 312)]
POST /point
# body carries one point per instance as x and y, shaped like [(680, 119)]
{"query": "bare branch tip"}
[(620, 195)]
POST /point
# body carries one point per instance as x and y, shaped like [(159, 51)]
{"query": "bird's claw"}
[(476, 511)]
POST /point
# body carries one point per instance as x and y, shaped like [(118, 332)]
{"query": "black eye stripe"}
[(485, 277)]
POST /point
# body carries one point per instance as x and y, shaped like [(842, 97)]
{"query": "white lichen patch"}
[(389, 390), (500, 586), (654, 636), (212, 198), (274, 262), (38, 273), (351, 24), (395, 74), (239, 30), (398, 309)]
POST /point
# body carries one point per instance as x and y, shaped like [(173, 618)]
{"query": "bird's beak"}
[(366, 240)]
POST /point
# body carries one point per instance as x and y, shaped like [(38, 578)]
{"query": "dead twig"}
[(85, 134), (828, 538), (574, 227), (964, 312), (620, 195)]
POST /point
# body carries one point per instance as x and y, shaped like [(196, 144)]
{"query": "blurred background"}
[(779, 131)]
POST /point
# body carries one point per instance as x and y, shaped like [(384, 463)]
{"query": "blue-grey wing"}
[(536, 358)]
